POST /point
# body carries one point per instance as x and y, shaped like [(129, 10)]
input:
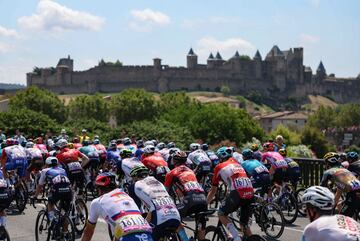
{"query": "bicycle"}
[(4, 235), (287, 202), (199, 218), (60, 228), (78, 213), (20, 193)]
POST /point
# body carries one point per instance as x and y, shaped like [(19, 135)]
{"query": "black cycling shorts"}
[(279, 176), (61, 193), (233, 202), (161, 230), (5, 198), (192, 203)]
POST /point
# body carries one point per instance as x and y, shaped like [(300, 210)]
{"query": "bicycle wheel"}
[(21, 197), (65, 229), (272, 220), (81, 216), (4, 235), (298, 194), (289, 207), (42, 224), (213, 233)]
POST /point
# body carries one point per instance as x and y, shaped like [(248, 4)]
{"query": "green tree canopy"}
[(89, 107), (291, 137), (39, 100), (323, 118), (133, 105), (315, 139)]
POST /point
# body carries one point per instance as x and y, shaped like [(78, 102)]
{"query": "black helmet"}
[(179, 157)]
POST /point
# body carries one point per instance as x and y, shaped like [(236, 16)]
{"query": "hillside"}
[(315, 101)]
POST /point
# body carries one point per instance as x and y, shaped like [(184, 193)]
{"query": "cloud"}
[(306, 39), (226, 47), (145, 20), (197, 23), (4, 48), (6, 32), (51, 16)]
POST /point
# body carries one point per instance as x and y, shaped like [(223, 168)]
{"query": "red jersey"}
[(184, 180), (69, 155), (234, 176), (154, 161), (77, 145)]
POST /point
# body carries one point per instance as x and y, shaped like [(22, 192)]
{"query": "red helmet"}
[(106, 179), (10, 142), (269, 146)]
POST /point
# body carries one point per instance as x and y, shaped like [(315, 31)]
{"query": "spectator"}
[(19, 137), (63, 135), (279, 143), (84, 136), (2, 136)]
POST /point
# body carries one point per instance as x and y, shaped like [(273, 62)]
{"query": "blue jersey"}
[(48, 174), (254, 167), (113, 156)]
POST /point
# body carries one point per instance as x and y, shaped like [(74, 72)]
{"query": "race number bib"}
[(163, 202), (131, 224), (260, 169), (280, 164), (192, 186), (355, 185), (242, 183), (60, 179)]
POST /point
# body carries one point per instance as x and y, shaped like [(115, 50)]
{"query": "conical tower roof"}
[(218, 56), (236, 55), (275, 52), (191, 52), (211, 57), (257, 55), (321, 68)]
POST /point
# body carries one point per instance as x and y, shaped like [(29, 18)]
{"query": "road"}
[(21, 227)]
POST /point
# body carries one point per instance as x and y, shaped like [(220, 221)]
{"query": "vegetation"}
[(225, 90), (89, 107)]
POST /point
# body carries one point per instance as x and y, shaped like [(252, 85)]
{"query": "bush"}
[(39, 100), (28, 121), (316, 141), (290, 137), (225, 90), (299, 151), (89, 107), (93, 127), (250, 143), (353, 148)]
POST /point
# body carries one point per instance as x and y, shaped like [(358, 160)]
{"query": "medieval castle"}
[(281, 74)]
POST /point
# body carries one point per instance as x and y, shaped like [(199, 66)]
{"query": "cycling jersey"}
[(254, 167), (202, 162), (153, 162), (15, 158), (343, 179), (43, 149), (234, 176), (213, 157), (33, 154), (88, 150), (354, 167), (293, 171), (120, 211), (129, 163), (5, 193), (67, 155), (184, 180), (48, 174), (336, 227), (154, 195), (113, 156), (275, 160), (238, 157)]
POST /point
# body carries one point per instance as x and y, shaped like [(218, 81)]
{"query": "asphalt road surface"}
[(21, 227)]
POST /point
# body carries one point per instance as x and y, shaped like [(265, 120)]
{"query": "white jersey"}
[(165, 153), (198, 157), (336, 227), (120, 211), (33, 153), (238, 157), (129, 163), (154, 195)]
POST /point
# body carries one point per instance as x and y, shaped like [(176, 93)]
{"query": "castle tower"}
[(66, 62), (299, 62), (321, 72), (191, 59), (211, 61), (258, 65), (236, 55), (219, 60), (157, 63)]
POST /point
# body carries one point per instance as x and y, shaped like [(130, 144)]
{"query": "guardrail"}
[(311, 170)]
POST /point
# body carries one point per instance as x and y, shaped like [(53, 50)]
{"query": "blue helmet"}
[(353, 155), (224, 152), (247, 154)]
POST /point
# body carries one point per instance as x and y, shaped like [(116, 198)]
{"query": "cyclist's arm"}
[(214, 184), (168, 181), (211, 194), (92, 220), (84, 158), (88, 232)]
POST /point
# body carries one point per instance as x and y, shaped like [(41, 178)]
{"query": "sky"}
[(39, 32)]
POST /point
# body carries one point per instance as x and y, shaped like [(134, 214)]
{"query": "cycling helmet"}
[(23, 144), (160, 145), (149, 149), (173, 150), (179, 157), (125, 153), (205, 147), (10, 142), (85, 142), (254, 147), (247, 154), (29, 144), (140, 143), (51, 161), (269, 146), (62, 143), (118, 141), (113, 145), (155, 142), (331, 158), (283, 152), (224, 152), (126, 141), (149, 143), (71, 145), (320, 197), (106, 179), (353, 156), (139, 171), (171, 145), (342, 156), (76, 140), (96, 141), (194, 146)]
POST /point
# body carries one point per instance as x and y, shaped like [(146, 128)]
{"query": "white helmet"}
[(29, 144), (62, 143), (149, 149), (149, 143), (194, 146), (51, 160), (320, 197), (160, 145)]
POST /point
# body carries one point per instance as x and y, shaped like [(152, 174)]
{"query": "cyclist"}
[(160, 146), (212, 156), (155, 162), (126, 144), (293, 171), (36, 162), (128, 162), (192, 196), (256, 152), (113, 155), (70, 160), (344, 181), (77, 144), (14, 157), (59, 186), (256, 171), (118, 210), (5, 199), (319, 203), (84, 136), (101, 150), (354, 163), (140, 146), (237, 156), (201, 162), (39, 144), (163, 214), (241, 193), (92, 153)]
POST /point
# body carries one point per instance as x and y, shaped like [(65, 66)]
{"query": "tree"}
[(225, 90), (133, 105), (31, 122), (348, 115), (89, 107), (93, 127), (316, 141), (39, 100), (174, 100), (291, 137)]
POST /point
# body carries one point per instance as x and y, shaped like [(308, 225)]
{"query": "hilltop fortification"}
[(281, 74)]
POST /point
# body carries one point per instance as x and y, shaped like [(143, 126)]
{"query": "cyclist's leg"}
[(229, 205), (351, 204), (245, 215)]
